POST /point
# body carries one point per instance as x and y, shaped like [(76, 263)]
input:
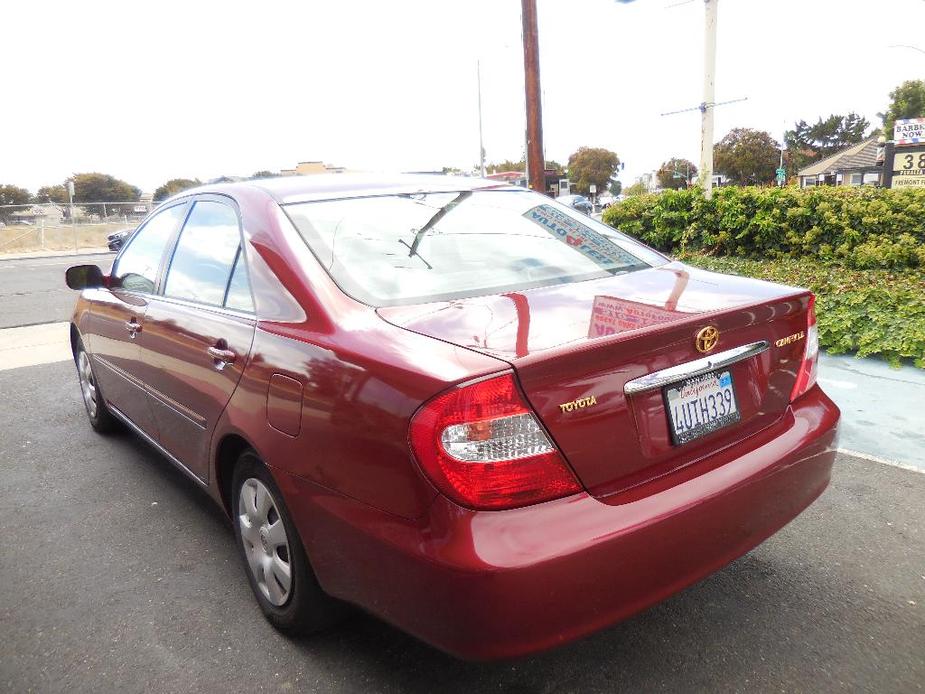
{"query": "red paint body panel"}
[(324, 388), (187, 393), (498, 584), (284, 404)]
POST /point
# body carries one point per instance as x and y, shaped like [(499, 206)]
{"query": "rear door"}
[(198, 331), (116, 321)]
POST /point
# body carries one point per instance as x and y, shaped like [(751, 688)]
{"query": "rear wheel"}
[(275, 561), (101, 419)]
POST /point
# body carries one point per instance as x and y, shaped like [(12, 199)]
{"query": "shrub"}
[(871, 312), (865, 228)]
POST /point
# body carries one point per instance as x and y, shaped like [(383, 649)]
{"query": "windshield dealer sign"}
[(590, 243)]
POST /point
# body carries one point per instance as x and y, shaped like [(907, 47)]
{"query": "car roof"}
[(291, 189)]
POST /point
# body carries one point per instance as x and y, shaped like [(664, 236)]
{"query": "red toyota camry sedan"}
[(464, 407)]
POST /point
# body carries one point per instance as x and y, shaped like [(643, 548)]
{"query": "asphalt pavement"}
[(32, 290), (117, 574)]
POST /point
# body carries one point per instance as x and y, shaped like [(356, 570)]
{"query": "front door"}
[(198, 332), (116, 321)]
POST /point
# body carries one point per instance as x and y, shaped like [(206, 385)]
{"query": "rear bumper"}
[(488, 585)]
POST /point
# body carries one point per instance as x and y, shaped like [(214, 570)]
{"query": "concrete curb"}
[(54, 254)]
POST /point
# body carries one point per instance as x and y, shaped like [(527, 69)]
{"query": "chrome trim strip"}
[(208, 308), (673, 374), (158, 447), (119, 372), (180, 409)]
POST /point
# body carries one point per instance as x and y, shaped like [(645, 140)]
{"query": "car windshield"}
[(402, 249)]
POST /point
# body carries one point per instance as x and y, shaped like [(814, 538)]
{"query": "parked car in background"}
[(577, 202), (490, 420), (117, 239), (605, 201)]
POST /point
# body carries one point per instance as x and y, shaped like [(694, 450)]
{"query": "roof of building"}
[(859, 156)]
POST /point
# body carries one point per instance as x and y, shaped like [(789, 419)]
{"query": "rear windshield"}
[(402, 249)]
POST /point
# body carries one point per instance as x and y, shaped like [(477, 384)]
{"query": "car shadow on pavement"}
[(134, 450)]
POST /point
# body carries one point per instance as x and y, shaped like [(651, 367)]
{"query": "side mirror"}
[(84, 277)]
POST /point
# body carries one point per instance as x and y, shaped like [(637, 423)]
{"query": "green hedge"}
[(860, 227), (871, 312)]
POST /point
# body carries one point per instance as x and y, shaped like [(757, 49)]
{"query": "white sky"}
[(150, 91)]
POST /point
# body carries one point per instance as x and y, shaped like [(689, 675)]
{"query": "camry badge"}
[(706, 339), (578, 404), (796, 337)]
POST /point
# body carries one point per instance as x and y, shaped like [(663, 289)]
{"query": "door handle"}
[(221, 356), (133, 328)]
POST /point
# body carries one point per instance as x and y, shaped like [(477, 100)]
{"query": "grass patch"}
[(24, 239), (870, 312)]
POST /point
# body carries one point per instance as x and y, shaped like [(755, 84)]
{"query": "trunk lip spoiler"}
[(698, 367)]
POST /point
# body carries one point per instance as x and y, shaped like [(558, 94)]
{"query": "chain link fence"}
[(62, 227)]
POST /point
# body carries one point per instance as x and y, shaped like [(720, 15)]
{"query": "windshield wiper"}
[(440, 214)]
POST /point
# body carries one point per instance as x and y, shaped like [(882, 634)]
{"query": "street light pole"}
[(478, 77), (709, 98), (780, 182), (536, 163)]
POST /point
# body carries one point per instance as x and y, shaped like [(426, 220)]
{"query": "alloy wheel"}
[(266, 544), (87, 383)]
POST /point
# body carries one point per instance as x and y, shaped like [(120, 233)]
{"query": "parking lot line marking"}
[(882, 461), (45, 343)]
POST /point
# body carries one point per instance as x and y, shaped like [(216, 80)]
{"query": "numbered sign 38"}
[(909, 168)]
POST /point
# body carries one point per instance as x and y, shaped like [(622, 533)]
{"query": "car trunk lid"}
[(575, 347)]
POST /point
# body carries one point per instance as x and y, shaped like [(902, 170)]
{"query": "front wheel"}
[(275, 561)]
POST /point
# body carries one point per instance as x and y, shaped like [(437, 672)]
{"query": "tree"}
[(174, 186), (258, 174), (555, 166), (508, 165), (92, 187), (808, 143), (638, 188), (906, 101), (56, 193), (616, 186), (676, 173), (592, 165), (97, 187), (12, 195), (746, 156)]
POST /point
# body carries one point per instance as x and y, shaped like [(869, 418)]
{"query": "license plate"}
[(700, 405)]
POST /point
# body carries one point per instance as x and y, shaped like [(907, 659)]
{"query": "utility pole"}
[(70, 196), (536, 162), (478, 77), (709, 99)]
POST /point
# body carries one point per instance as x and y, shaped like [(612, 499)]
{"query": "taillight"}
[(806, 376), (483, 447)]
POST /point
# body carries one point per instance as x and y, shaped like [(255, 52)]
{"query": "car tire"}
[(99, 414), (297, 607)]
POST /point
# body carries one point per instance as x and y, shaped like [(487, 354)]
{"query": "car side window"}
[(136, 268), (203, 259), (239, 289)]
